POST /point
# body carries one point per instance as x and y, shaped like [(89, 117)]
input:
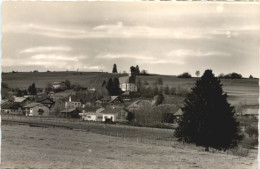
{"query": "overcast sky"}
[(161, 37)]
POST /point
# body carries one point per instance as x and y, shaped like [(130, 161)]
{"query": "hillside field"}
[(240, 91), (36, 147)]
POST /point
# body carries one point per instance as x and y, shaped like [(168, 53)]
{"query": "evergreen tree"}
[(110, 86), (208, 119), (33, 89), (114, 69), (159, 99), (137, 71), (104, 83), (116, 87)]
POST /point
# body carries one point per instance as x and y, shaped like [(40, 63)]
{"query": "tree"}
[(130, 116), (159, 99), (173, 91), (184, 75), (166, 90), (251, 77), (197, 73), (208, 119), (144, 73), (67, 83), (139, 84), (104, 83), (137, 71), (159, 81), (155, 90), (116, 87), (114, 69), (110, 86), (32, 89)]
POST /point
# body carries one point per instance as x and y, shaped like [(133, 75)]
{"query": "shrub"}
[(252, 131), (184, 75)]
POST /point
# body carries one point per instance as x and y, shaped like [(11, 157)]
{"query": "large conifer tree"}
[(208, 119), (114, 69)]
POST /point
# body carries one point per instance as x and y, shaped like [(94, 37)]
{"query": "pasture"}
[(36, 147)]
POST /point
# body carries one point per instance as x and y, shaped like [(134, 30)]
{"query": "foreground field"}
[(35, 147)]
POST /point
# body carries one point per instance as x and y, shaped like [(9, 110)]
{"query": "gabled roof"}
[(91, 108), (139, 103), (113, 98), (68, 110), (33, 104), (19, 99), (111, 110), (11, 106), (124, 79), (41, 98), (178, 113)]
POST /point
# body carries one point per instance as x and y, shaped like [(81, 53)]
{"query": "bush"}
[(185, 75), (252, 131), (231, 76)]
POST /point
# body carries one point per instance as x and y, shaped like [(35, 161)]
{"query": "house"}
[(73, 103), (116, 99), (126, 96), (36, 109), (91, 113), (138, 104), (126, 85), (40, 91), (21, 100), (11, 108), (103, 99), (58, 85), (178, 114), (71, 112), (114, 114), (45, 100)]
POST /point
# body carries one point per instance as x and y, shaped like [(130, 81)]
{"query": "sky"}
[(161, 37)]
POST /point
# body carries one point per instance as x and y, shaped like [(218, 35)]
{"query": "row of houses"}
[(36, 106)]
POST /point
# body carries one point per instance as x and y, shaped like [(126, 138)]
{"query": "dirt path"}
[(34, 147)]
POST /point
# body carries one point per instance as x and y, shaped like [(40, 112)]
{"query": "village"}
[(115, 101)]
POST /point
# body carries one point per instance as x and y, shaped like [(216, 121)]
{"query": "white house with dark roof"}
[(114, 114), (126, 85), (36, 109)]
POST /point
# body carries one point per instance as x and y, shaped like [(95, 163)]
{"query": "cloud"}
[(54, 57), (46, 49), (183, 53)]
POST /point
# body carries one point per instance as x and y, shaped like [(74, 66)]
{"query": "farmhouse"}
[(11, 108), (21, 100), (71, 113), (91, 113), (114, 114), (45, 100), (116, 99), (58, 85), (73, 103), (126, 85), (178, 114), (36, 109), (138, 104)]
